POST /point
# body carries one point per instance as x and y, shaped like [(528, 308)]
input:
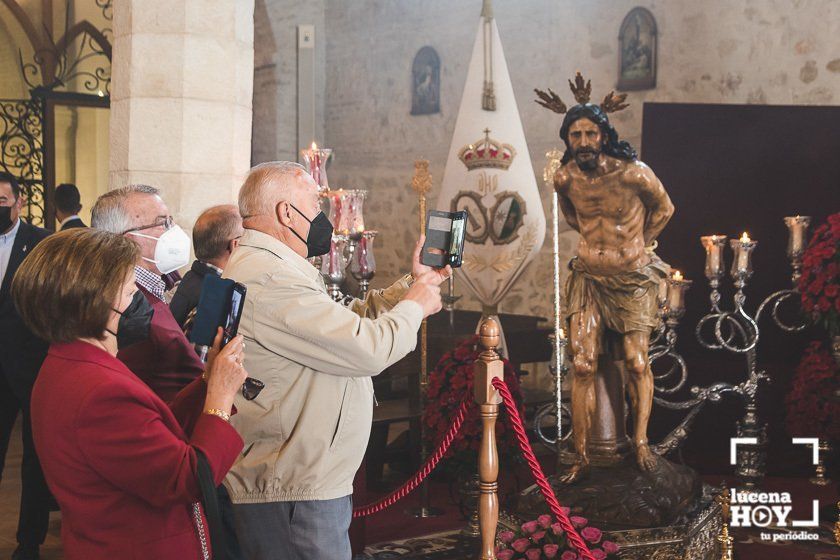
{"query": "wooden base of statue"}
[(615, 490)]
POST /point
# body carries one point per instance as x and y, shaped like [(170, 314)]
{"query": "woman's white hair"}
[(266, 185), (110, 214)]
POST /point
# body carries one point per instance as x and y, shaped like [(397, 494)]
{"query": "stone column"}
[(181, 93)]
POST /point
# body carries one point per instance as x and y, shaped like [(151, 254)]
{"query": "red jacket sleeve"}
[(126, 439)]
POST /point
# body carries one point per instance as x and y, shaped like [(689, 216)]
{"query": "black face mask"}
[(320, 234), (5, 218), (135, 322)]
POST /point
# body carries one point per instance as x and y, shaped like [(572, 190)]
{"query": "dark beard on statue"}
[(590, 163)]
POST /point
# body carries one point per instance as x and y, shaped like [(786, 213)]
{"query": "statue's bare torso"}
[(608, 208)]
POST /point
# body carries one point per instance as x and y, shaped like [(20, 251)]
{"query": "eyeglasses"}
[(251, 388), (167, 223)]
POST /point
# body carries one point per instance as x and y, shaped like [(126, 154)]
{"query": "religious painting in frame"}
[(637, 51), (425, 82)]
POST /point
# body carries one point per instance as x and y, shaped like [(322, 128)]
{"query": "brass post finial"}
[(422, 180)]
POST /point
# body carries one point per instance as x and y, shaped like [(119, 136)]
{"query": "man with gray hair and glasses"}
[(306, 432), (165, 360)]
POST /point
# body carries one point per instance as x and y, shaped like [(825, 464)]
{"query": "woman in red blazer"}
[(116, 458)]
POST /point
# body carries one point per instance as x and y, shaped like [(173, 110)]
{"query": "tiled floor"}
[(10, 503)]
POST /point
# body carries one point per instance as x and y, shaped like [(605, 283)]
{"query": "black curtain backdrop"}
[(730, 169)]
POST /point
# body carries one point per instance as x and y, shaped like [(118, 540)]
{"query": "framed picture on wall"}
[(637, 51), (425, 82)]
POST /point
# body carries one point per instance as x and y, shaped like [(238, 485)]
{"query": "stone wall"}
[(181, 100), (275, 76), (712, 51)]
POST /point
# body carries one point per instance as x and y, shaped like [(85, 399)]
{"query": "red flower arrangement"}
[(540, 539), (449, 383), (810, 411), (820, 281)]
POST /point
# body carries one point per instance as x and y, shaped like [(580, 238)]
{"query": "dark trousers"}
[(232, 549), (35, 497)]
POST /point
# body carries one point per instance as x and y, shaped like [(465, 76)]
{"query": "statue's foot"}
[(574, 473), (645, 458)]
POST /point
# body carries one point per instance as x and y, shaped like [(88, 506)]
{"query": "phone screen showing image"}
[(456, 246), (231, 326)]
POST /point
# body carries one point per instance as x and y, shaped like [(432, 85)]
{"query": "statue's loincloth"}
[(625, 302)]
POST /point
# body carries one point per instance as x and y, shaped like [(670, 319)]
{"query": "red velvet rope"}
[(536, 469), (424, 471)]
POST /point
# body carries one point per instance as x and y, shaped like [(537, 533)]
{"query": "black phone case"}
[(441, 240)]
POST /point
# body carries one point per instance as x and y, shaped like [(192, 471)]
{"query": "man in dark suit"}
[(67, 206), (216, 234), (21, 356)]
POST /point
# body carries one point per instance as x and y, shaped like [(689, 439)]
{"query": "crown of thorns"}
[(612, 103)]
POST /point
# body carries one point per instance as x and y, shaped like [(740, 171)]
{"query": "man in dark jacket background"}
[(215, 234), (21, 356), (68, 204)]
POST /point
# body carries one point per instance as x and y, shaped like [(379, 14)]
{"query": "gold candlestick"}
[(422, 184)]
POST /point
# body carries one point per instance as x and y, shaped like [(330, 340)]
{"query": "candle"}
[(742, 248), (714, 253), (743, 256), (677, 285)]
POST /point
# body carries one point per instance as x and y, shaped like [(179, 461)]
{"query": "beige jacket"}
[(306, 433)]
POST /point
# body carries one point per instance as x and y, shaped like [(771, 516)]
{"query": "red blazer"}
[(117, 461), (166, 362)]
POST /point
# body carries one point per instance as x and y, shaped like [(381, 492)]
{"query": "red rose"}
[(823, 304), (520, 545), (832, 290)]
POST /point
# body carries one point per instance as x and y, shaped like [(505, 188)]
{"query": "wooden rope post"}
[(487, 367)]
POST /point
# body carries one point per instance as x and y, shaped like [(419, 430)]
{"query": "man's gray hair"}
[(213, 231), (109, 212), (266, 185)]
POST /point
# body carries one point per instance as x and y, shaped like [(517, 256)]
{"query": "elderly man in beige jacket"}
[(306, 433)]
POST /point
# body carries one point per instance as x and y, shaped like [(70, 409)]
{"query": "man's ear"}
[(284, 213), (234, 243)]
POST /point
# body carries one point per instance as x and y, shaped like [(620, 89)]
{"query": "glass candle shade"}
[(742, 259), (677, 285), (714, 245), (797, 232), (363, 263), (334, 263), (356, 202), (315, 161)]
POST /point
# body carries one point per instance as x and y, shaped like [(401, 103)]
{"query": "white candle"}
[(743, 252), (675, 292), (714, 262)]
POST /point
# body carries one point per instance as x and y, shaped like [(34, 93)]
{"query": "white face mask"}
[(172, 250)]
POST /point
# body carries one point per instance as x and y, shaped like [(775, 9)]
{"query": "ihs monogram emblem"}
[(501, 222)]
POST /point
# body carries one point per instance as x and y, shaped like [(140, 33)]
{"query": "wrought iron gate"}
[(22, 151)]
